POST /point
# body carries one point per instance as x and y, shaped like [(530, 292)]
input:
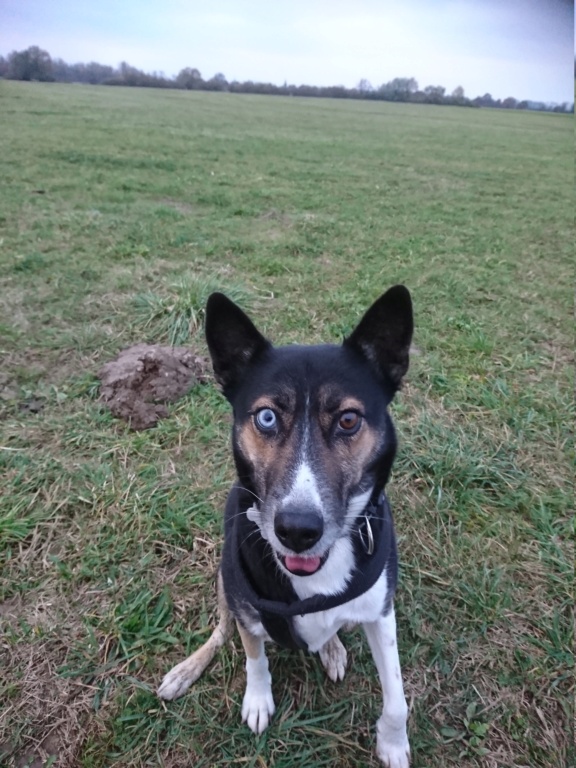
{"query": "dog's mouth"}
[(303, 566)]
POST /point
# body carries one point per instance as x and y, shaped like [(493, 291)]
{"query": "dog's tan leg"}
[(392, 740), (258, 704), (334, 659), (181, 677)]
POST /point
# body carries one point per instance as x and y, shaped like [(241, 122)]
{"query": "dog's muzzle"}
[(298, 529)]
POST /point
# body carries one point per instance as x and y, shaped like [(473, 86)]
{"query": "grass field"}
[(119, 208)]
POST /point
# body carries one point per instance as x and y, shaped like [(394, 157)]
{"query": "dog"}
[(309, 543)]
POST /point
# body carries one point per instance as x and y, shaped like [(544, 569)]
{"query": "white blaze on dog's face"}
[(311, 455), (312, 436)]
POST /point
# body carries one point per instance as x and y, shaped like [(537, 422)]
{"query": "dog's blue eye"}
[(266, 419)]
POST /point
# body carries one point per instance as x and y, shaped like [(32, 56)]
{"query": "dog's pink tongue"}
[(305, 564)]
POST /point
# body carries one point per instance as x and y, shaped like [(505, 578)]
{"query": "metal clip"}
[(369, 544)]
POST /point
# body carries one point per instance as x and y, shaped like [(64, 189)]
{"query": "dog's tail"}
[(181, 677)]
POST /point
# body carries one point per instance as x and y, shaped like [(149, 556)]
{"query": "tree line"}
[(37, 64)]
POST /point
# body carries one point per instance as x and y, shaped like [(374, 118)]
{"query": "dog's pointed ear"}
[(233, 340), (384, 334)]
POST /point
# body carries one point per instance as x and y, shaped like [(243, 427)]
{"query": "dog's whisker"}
[(249, 535), (238, 514), (247, 490)]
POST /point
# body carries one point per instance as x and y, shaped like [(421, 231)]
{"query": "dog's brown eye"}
[(349, 421)]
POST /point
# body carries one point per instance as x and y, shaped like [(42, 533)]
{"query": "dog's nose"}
[(298, 529)]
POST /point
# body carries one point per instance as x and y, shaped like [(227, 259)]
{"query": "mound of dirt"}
[(138, 383)]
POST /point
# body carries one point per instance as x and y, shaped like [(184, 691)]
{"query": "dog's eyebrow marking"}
[(263, 402), (352, 404), (332, 399), (281, 401)]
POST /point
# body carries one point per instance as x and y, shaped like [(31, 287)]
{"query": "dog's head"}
[(313, 441)]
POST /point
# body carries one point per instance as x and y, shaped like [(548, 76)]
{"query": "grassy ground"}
[(118, 208)]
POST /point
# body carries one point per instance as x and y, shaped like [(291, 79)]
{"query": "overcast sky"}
[(520, 48)]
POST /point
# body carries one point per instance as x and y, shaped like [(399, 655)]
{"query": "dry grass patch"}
[(47, 716)]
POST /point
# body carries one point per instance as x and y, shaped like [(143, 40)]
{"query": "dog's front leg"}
[(181, 677), (258, 705), (392, 740)]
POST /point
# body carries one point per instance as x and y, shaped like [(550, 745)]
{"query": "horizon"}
[(518, 48)]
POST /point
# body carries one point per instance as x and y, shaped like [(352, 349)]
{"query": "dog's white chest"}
[(317, 628)]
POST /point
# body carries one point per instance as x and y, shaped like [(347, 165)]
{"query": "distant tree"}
[(129, 75), (399, 89), (364, 86), (435, 93), (31, 64), (97, 73), (405, 85), (457, 94), (419, 97), (61, 71), (92, 72), (189, 78), (334, 92), (216, 83), (307, 90), (249, 86), (36, 64)]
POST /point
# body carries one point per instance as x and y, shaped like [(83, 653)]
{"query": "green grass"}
[(119, 209), (180, 315)]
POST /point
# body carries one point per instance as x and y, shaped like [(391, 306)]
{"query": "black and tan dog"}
[(309, 542)]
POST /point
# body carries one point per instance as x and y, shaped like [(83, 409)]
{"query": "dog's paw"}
[(334, 658), (392, 746), (257, 709), (174, 684), (393, 756), (179, 679)]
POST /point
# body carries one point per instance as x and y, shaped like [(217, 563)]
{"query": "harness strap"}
[(253, 579), (369, 566)]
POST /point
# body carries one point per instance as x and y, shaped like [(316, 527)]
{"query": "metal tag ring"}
[(368, 542)]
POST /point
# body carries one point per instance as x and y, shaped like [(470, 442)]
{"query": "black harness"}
[(253, 578)]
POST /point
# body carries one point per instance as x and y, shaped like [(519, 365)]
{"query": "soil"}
[(138, 383)]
